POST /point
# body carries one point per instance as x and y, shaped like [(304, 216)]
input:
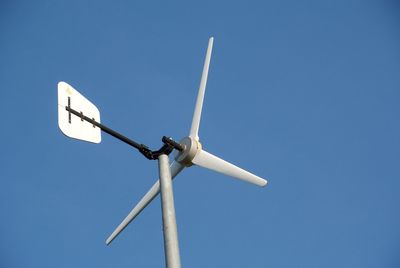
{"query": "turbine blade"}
[(207, 160), (146, 199), (194, 130)]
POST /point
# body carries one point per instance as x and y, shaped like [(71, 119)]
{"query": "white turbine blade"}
[(146, 199), (194, 130), (207, 160)]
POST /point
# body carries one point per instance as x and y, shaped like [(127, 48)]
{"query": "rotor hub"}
[(191, 147)]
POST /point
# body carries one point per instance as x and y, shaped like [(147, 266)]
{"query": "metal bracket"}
[(69, 113)]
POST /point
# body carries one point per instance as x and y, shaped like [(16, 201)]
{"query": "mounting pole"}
[(171, 246)]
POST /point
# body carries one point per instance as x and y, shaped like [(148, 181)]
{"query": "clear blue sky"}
[(304, 93)]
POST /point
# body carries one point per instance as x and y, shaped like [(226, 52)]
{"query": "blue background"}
[(303, 93)]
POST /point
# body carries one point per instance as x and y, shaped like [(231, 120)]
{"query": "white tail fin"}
[(207, 160), (71, 125), (194, 130)]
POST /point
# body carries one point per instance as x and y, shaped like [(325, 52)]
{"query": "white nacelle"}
[(72, 125)]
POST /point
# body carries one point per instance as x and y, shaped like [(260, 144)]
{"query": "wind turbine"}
[(86, 126)]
